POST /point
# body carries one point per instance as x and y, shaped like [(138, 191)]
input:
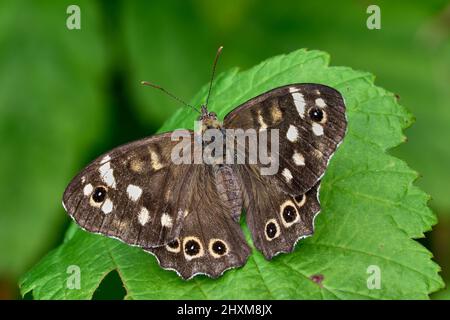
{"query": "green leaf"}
[(51, 109), (370, 212)]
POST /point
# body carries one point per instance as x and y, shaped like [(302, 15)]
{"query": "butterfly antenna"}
[(219, 51), (146, 83)]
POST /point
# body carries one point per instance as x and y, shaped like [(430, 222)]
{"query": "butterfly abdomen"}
[(229, 189)]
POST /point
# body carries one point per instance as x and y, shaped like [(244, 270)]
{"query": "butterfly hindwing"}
[(311, 122), (132, 193), (210, 241), (276, 219)]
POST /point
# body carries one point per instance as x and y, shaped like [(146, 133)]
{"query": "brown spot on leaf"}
[(317, 278)]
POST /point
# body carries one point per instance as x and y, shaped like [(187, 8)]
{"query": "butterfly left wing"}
[(311, 122), (210, 241)]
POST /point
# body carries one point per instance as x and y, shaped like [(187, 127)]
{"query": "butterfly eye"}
[(316, 114), (99, 194)]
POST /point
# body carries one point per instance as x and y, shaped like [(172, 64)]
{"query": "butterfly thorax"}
[(225, 179)]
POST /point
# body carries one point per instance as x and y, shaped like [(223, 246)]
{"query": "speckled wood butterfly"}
[(188, 214)]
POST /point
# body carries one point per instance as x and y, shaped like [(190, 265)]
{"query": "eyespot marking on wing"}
[(218, 248), (192, 248), (289, 213), (272, 230)]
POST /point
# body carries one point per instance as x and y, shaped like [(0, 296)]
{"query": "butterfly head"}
[(209, 119)]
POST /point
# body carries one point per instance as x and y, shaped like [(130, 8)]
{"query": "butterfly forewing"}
[(276, 219), (133, 193), (311, 122)]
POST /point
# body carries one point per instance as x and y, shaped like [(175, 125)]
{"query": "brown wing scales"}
[(210, 241)]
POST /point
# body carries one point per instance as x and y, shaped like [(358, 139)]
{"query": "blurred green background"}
[(68, 95)]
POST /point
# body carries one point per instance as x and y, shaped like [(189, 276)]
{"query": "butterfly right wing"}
[(144, 195), (276, 219)]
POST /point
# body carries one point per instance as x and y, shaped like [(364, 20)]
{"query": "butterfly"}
[(188, 214)]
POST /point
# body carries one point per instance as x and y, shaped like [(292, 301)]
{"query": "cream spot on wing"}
[(107, 206), (317, 129), (186, 212), (293, 89), (320, 103), (143, 216), (83, 179), (299, 102), (276, 114), (87, 190), (287, 174), (155, 162), (136, 165), (261, 122), (292, 133), (134, 192), (107, 173), (298, 158), (166, 220)]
